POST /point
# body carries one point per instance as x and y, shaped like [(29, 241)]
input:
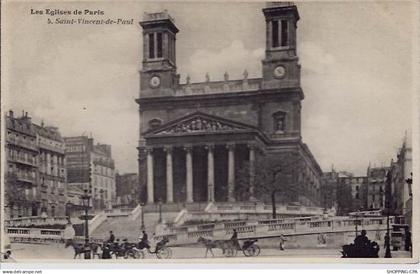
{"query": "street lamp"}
[(388, 205), (86, 203), (160, 211), (357, 220), (142, 216)]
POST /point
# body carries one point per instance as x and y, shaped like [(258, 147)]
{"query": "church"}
[(195, 138)]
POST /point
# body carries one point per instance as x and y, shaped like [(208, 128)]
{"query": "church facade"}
[(195, 137)]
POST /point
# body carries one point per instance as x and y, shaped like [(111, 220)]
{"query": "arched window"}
[(279, 122), (155, 123)]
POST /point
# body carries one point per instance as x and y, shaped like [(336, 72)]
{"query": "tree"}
[(276, 176), (344, 198), (328, 190), (14, 192)]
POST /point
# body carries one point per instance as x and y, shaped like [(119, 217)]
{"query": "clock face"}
[(155, 81), (279, 71)]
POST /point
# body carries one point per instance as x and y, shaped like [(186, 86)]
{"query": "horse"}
[(210, 244), (80, 249)]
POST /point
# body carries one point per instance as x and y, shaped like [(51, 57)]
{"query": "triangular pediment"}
[(199, 122)]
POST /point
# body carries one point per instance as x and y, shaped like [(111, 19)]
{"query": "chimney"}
[(11, 113)]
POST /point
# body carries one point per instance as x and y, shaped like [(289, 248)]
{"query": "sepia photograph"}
[(202, 132)]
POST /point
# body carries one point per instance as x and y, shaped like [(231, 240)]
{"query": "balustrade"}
[(197, 234)]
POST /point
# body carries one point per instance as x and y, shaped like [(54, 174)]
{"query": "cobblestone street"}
[(58, 252)]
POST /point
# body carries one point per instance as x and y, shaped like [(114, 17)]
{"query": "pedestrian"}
[(282, 240), (111, 238), (234, 239), (144, 241)]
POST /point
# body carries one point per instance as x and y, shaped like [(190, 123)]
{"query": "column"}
[(150, 192), (210, 173), (189, 176), (231, 172), (169, 176), (251, 148)]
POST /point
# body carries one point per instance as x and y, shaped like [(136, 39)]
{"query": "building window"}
[(151, 45), (155, 123), (155, 45), (275, 34), (284, 33), (279, 122), (159, 44)]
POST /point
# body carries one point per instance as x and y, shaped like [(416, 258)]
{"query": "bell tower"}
[(158, 76), (280, 65)]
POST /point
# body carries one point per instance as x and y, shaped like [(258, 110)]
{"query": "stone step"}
[(124, 227)]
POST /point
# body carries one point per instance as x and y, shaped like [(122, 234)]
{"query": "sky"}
[(355, 58)]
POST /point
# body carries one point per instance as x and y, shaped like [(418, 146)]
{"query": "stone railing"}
[(260, 208), (116, 212), (135, 213), (271, 228), (219, 87), (38, 221), (96, 221), (39, 235), (181, 217)]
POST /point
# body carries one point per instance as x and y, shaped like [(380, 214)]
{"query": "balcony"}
[(26, 144), (22, 160), (108, 163), (50, 147), (27, 178)]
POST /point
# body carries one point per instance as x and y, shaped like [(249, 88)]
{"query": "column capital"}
[(168, 149), (230, 146), (252, 146), (148, 150), (209, 147), (188, 148)]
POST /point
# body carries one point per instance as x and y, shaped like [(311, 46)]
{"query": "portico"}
[(194, 188), (202, 163)]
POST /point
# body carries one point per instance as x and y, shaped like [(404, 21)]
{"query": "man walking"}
[(282, 240), (144, 242), (111, 237), (234, 239)]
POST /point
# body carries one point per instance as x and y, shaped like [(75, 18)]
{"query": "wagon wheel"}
[(164, 253), (253, 250), (138, 254)]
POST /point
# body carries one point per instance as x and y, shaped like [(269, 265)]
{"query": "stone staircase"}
[(129, 228)]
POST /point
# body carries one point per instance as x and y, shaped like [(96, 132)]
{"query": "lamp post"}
[(357, 221), (160, 211), (388, 205), (142, 216), (86, 203)]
